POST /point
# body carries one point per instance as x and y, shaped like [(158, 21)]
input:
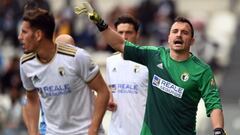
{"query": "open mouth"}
[(178, 42)]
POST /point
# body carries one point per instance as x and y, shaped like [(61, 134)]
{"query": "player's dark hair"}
[(127, 19), (40, 19), (185, 20)]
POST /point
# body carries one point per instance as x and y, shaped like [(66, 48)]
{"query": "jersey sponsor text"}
[(55, 90), (167, 86), (124, 88)]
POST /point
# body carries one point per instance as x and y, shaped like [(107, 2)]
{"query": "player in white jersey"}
[(64, 39), (62, 76), (128, 82)]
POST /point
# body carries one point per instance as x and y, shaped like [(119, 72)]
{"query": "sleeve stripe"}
[(66, 53), (27, 57), (66, 50)]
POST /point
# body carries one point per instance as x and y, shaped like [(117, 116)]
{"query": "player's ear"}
[(38, 35), (192, 41)]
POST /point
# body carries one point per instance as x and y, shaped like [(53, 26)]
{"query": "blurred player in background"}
[(65, 39), (128, 83)]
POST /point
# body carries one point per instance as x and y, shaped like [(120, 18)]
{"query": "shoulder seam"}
[(200, 62), (27, 57), (66, 50)]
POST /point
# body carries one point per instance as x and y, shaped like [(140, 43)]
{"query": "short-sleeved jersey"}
[(128, 81), (174, 90), (66, 99)]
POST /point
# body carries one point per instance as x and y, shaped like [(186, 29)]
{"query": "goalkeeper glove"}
[(86, 8)]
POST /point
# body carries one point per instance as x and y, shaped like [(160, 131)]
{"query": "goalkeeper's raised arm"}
[(110, 36)]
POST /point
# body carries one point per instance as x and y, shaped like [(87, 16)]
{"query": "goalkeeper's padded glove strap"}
[(101, 25), (95, 17), (219, 131)]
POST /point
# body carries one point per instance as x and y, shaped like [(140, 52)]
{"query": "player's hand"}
[(86, 8), (219, 131), (83, 8), (112, 106), (92, 132)]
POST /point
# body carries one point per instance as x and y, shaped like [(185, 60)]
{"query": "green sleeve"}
[(140, 54), (210, 92), (134, 53)]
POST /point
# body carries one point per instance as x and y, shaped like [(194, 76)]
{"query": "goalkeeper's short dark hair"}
[(127, 19), (185, 20)]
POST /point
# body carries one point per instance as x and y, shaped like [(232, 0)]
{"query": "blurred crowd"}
[(213, 41)]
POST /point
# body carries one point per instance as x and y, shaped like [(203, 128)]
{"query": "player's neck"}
[(180, 56), (46, 52)]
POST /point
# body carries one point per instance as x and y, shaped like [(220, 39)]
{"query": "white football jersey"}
[(66, 99), (128, 81)]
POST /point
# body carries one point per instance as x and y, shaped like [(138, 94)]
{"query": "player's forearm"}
[(113, 39), (32, 113), (101, 102), (217, 120), (33, 118)]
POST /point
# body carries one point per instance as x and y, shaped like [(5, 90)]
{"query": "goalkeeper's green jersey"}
[(174, 90)]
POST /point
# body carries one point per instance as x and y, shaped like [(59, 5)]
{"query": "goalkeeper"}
[(177, 79)]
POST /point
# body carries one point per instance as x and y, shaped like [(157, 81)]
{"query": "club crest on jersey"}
[(184, 77), (61, 71)]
